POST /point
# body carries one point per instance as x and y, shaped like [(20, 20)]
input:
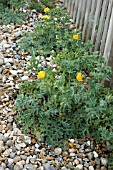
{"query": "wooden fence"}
[(95, 19)]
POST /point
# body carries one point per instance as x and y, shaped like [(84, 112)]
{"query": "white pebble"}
[(80, 167), (91, 168), (95, 154), (24, 78)]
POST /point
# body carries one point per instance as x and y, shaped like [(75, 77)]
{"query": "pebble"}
[(72, 154), (18, 34), (24, 78), (16, 159), (6, 152), (80, 167), (48, 167), (6, 45), (95, 154), (1, 61), (13, 72), (58, 151), (104, 161), (30, 167), (91, 168)]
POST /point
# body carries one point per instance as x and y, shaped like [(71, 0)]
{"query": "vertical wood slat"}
[(109, 40), (82, 15), (91, 19), (101, 24), (97, 13), (106, 27), (69, 6), (79, 13), (75, 10), (86, 18), (72, 8)]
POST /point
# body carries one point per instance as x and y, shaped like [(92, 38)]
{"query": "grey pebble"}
[(48, 167), (29, 167)]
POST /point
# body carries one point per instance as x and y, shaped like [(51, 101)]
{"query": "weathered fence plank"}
[(88, 7), (106, 26), (82, 14), (101, 25), (91, 18)]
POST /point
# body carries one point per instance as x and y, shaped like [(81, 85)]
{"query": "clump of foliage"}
[(51, 34), (9, 11), (39, 6), (72, 100)]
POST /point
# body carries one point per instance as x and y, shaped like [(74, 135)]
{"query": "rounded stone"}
[(80, 167), (10, 161), (24, 78), (12, 155), (1, 168), (16, 167), (17, 159), (91, 168), (6, 152), (58, 151), (95, 154), (104, 161), (72, 154), (1, 61)]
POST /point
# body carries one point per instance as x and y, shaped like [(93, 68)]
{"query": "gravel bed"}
[(19, 151)]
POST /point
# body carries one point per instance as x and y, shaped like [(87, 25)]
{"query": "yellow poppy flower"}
[(46, 9), (75, 37), (46, 17), (54, 58), (41, 51), (58, 55), (109, 97), (79, 77), (41, 74)]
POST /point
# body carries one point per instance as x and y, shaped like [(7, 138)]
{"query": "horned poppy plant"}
[(75, 37), (46, 9), (41, 74), (46, 17), (79, 77)]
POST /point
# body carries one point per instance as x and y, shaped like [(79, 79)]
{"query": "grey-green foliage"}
[(9, 11)]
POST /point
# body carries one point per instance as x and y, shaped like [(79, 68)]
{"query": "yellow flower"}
[(58, 55), (46, 9), (46, 17), (54, 58), (61, 114), (109, 97), (79, 77), (75, 37), (41, 51), (41, 74)]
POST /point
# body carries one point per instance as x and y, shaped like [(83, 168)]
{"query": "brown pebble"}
[(81, 155), (103, 168), (64, 154), (85, 168), (9, 143), (16, 159), (68, 160), (76, 162), (33, 141)]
